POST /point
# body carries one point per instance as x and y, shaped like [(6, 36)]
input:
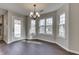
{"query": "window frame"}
[(46, 25), (33, 26), (41, 26), (62, 25), (51, 25), (17, 32)]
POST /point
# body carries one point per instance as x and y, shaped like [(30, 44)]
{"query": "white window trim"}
[(62, 25), (45, 27), (40, 26)]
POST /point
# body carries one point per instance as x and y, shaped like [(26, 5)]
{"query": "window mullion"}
[(45, 25)]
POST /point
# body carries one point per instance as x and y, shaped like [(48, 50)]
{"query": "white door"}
[(17, 29)]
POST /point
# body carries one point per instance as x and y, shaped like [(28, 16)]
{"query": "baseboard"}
[(72, 51), (47, 40), (62, 46), (4, 41)]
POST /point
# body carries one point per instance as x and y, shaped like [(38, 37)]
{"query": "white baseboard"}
[(72, 51), (76, 52), (5, 41), (47, 40)]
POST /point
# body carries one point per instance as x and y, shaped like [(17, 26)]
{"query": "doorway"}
[(17, 29)]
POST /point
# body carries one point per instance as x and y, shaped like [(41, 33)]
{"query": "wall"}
[(73, 27), (28, 26), (1, 27), (59, 40), (6, 27)]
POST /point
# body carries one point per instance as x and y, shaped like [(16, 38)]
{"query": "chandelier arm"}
[(35, 14)]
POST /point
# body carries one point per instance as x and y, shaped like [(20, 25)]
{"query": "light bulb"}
[(31, 13), (37, 14)]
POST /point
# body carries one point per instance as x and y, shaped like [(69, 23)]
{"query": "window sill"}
[(45, 34), (61, 37)]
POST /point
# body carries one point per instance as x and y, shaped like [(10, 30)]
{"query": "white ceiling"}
[(26, 8)]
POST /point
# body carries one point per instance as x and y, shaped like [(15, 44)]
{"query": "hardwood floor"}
[(34, 47)]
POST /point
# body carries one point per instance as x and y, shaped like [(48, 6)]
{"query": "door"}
[(17, 29)]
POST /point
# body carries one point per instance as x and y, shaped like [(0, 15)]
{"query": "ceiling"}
[(26, 8)]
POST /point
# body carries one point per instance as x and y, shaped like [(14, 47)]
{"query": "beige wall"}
[(73, 27)]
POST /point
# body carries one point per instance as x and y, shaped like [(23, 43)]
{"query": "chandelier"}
[(34, 15)]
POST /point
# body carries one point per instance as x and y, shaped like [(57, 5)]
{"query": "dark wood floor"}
[(35, 47)]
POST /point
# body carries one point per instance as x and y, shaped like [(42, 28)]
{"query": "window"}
[(32, 31), (17, 28), (42, 26), (62, 25), (49, 25), (45, 26)]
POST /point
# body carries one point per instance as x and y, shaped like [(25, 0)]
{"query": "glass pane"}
[(42, 22), (42, 26), (49, 29), (42, 29), (33, 22), (49, 25), (61, 25), (32, 31), (62, 19), (17, 28), (49, 21), (62, 31)]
